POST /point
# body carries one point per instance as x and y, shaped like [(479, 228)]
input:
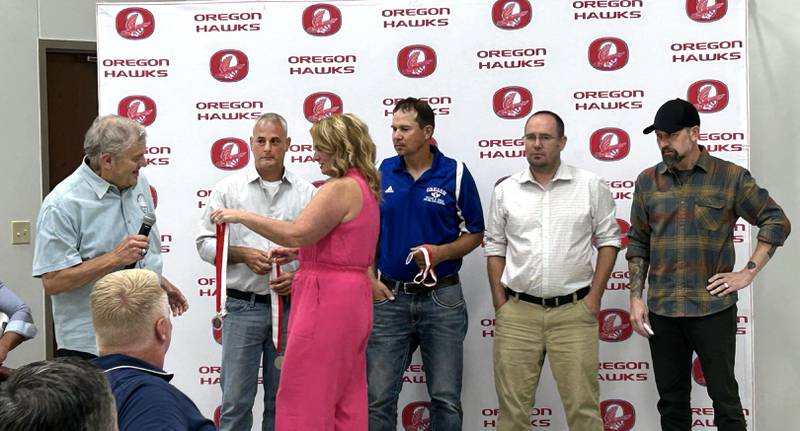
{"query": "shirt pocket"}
[(708, 211)]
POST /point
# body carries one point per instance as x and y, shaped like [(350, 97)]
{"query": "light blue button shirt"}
[(82, 218), (18, 313)]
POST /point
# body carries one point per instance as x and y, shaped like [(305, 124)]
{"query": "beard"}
[(671, 158)]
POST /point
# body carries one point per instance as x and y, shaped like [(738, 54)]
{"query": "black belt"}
[(414, 288), (247, 296), (550, 302)]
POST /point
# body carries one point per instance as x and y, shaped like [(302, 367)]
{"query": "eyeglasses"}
[(544, 139)]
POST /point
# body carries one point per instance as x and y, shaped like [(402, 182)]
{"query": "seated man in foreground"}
[(131, 317), (63, 394)]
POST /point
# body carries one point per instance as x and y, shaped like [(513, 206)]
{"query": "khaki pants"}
[(523, 333)]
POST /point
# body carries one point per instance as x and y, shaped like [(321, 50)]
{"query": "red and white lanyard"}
[(423, 275), (276, 303), (221, 266)]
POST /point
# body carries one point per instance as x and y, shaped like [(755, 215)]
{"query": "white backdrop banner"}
[(197, 75)]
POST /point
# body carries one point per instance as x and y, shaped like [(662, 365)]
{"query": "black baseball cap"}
[(674, 115)]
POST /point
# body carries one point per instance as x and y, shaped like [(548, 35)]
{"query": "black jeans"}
[(713, 337)]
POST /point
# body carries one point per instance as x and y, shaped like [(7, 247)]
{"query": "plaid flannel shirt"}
[(685, 231)]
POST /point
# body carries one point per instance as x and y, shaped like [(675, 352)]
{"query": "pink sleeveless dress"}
[(323, 383)]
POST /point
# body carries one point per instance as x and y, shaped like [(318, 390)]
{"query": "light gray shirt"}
[(18, 313), (245, 191), (546, 232), (82, 218)]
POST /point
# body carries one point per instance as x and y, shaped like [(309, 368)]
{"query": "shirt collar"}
[(117, 361), (251, 174), (704, 162), (563, 173), (98, 184), (437, 157)]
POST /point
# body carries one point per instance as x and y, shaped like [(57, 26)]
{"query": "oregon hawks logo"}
[(512, 102), (229, 65), (135, 23), (416, 61), (618, 415), (608, 53), (417, 416), (230, 154), (624, 228), (511, 14), (697, 372), (708, 95), (610, 144), (320, 105), (141, 109), (615, 325), (154, 195), (706, 10), (322, 20)]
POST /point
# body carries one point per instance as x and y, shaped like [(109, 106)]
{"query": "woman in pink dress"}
[(323, 385)]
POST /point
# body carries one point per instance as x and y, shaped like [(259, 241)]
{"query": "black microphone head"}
[(149, 219)]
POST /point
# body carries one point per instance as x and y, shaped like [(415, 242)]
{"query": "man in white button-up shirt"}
[(545, 293), (267, 188)]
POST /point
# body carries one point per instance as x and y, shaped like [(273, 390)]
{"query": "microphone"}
[(148, 221)]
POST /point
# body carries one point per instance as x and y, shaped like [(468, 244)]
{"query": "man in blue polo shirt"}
[(431, 217), (131, 319)]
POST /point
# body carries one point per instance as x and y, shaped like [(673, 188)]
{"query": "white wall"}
[(774, 44), (20, 179)]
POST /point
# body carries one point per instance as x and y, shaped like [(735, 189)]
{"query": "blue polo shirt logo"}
[(435, 195)]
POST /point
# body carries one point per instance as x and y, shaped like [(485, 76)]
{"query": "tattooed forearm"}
[(751, 265), (771, 251), (637, 267)]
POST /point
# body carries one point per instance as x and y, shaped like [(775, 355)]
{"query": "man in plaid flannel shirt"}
[(682, 220)]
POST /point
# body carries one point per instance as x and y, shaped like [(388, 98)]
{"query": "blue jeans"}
[(436, 323), (246, 338)]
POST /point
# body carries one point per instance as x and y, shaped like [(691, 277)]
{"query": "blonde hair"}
[(125, 304), (346, 138)]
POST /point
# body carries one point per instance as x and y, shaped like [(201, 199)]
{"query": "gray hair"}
[(111, 134), (65, 393), (271, 116)]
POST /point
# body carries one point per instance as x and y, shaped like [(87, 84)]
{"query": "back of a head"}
[(63, 394), (125, 305), (346, 138)]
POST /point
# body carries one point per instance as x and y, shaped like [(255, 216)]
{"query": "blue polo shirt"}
[(425, 211), (145, 398)]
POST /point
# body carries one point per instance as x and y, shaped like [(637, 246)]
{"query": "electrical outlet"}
[(21, 232)]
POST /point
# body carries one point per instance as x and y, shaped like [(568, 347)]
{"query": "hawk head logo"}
[(708, 96), (706, 10), (141, 109), (608, 53), (320, 105), (417, 416), (610, 144), (416, 61), (230, 154), (512, 14), (615, 325), (322, 20), (618, 415), (229, 65), (512, 102), (135, 23)]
